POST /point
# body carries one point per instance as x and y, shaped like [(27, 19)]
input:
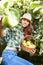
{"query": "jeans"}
[(10, 58)]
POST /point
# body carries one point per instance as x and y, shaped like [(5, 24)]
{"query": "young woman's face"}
[(24, 22)]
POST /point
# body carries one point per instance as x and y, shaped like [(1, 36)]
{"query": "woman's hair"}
[(28, 30)]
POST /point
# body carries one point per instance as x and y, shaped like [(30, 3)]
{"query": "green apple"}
[(9, 21), (28, 44), (24, 42), (5, 21), (32, 46)]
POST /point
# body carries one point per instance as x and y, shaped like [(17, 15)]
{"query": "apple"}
[(28, 44), (32, 46), (9, 21), (24, 42)]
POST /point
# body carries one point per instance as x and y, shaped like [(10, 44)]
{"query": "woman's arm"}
[(1, 28)]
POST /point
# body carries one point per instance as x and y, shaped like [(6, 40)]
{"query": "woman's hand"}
[(32, 51)]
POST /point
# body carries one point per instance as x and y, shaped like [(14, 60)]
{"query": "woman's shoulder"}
[(6, 29)]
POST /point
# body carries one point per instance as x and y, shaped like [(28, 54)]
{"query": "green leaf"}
[(41, 11), (34, 4), (5, 4), (16, 12), (36, 9)]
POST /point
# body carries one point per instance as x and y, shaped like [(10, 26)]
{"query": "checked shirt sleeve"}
[(6, 34), (18, 37)]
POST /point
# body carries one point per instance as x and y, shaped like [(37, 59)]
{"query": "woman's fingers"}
[(32, 51)]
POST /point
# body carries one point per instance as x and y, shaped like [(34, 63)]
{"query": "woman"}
[(13, 39), (27, 29)]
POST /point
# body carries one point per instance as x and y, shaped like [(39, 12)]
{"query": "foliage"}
[(35, 7)]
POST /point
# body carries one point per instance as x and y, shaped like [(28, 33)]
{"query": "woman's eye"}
[(24, 19)]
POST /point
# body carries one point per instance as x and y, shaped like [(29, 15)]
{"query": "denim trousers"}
[(9, 57)]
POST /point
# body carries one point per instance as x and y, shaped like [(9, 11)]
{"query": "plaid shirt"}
[(13, 37)]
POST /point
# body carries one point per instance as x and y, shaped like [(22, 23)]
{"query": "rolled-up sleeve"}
[(6, 34)]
